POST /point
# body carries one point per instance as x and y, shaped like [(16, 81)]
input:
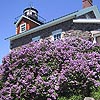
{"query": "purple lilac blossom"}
[(50, 69)]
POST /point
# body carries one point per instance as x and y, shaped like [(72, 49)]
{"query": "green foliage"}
[(96, 94), (75, 97), (62, 98), (1, 84)]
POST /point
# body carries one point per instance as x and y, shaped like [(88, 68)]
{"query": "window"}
[(36, 39), (57, 34), (22, 27)]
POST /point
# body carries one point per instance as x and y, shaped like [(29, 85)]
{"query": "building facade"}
[(84, 23)]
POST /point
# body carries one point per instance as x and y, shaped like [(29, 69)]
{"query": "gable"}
[(28, 23), (25, 18)]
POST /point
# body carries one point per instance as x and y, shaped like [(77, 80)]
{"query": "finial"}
[(30, 4)]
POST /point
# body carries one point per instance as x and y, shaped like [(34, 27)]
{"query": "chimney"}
[(87, 3)]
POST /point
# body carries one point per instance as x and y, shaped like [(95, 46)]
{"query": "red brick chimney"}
[(86, 3)]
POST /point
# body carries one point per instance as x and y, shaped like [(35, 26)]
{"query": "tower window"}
[(22, 27), (57, 34)]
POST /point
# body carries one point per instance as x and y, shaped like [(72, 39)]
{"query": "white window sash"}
[(94, 40), (22, 27), (56, 33)]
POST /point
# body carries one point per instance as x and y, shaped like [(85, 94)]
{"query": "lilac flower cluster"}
[(46, 70)]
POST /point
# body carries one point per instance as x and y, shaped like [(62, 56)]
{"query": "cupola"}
[(31, 12), (28, 20)]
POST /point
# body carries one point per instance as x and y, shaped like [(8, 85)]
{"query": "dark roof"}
[(37, 20), (30, 9), (62, 16)]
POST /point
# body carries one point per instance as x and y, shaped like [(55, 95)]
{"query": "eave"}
[(97, 21)]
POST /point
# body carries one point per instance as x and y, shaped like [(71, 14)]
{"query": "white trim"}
[(89, 9), (87, 21), (96, 12), (22, 27), (26, 18), (26, 11), (56, 32), (37, 38), (94, 40), (29, 12), (95, 34)]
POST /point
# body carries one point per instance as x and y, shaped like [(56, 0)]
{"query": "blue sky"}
[(48, 9)]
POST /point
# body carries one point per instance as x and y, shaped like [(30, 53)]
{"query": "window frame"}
[(36, 39), (56, 33), (22, 26)]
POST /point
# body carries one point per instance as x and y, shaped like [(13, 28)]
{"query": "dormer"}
[(28, 20)]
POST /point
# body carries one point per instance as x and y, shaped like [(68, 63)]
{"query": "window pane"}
[(55, 37), (23, 27), (57, 34)]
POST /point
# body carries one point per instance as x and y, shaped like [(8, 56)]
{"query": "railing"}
[(39, 18)]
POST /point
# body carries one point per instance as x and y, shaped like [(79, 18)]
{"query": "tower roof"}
[(30, 8)]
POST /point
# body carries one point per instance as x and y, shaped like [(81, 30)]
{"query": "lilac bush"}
[(48, 70)]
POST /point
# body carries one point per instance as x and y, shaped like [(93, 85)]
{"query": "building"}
[(84, 23)]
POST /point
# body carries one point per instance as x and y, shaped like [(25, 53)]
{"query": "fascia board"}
[(87, 21), (26, 18), (86, 10), (96, 12)]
